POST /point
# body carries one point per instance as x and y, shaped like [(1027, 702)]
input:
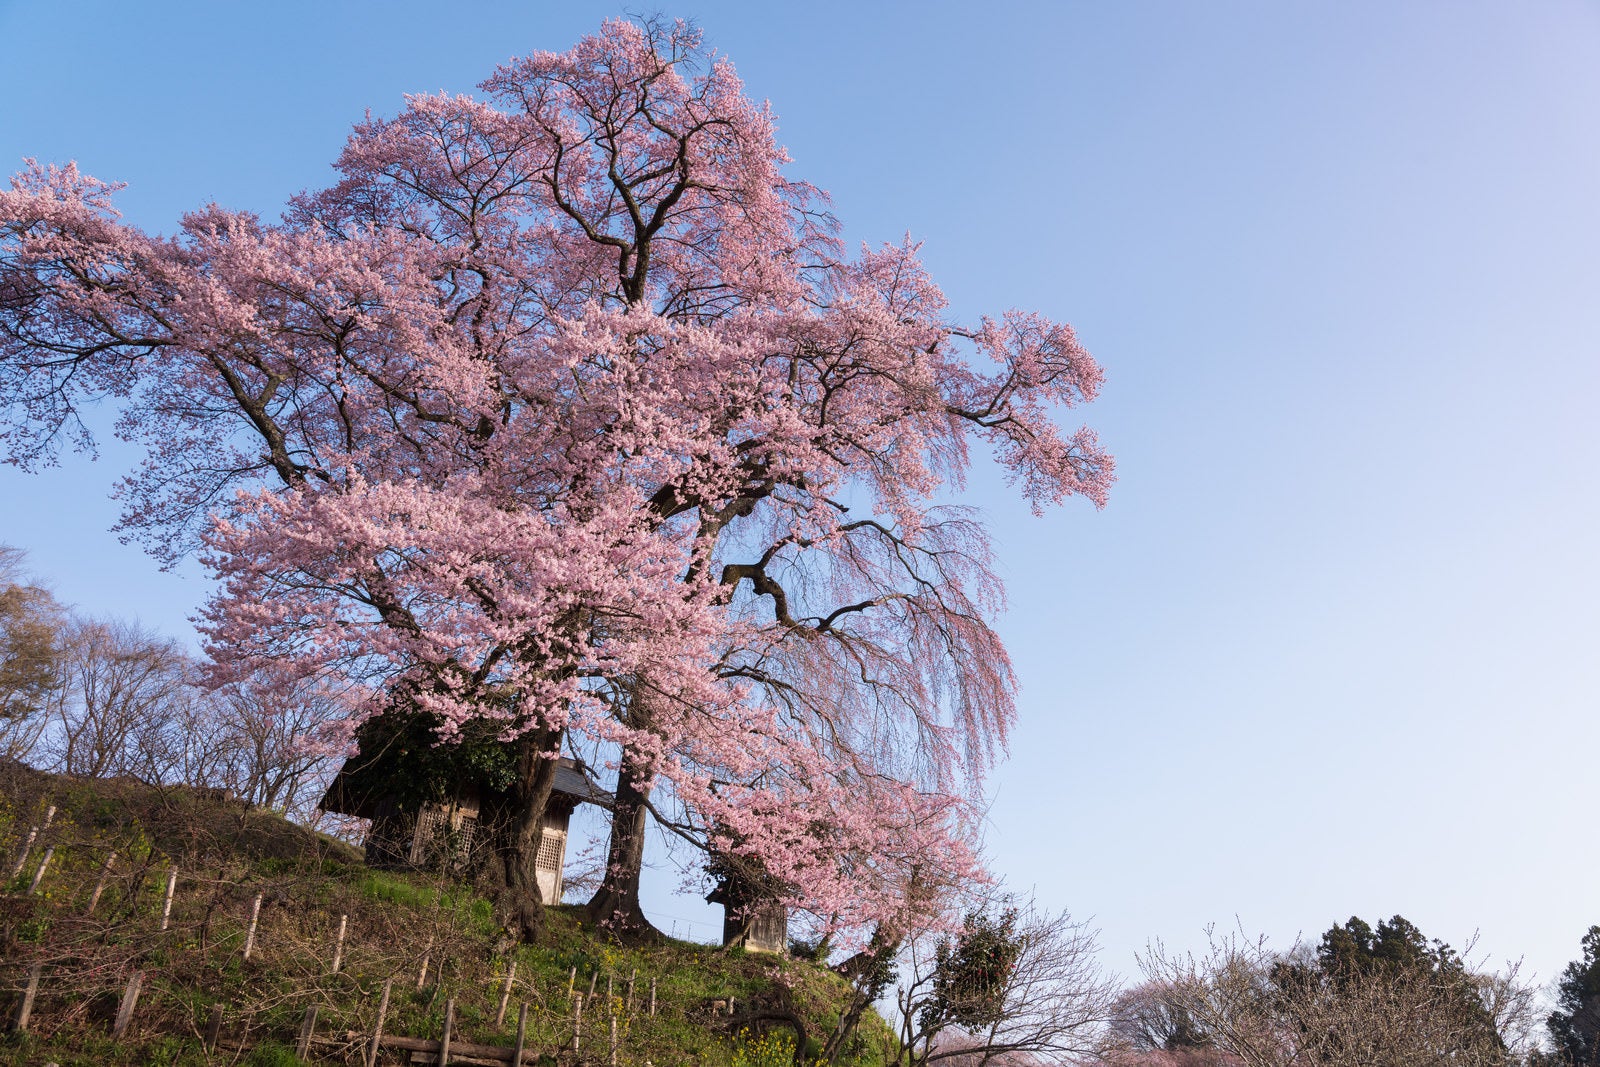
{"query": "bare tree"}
[(105, 698), (271, 748), (30, 655), (282, 742), (1150, 1027), (1115, 1055), (121, 683), (191, 743), (1273, 1009), (1018, 986)]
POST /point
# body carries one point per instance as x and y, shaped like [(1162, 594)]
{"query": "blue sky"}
[(1331, 649)]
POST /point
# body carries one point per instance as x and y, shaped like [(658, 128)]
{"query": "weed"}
[(272, 1054), (762, 1050)]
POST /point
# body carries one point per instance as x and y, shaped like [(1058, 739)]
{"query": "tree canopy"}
[(1395, 947), (1362, 997), (30, 652), (1575, 1024), (563, 411)]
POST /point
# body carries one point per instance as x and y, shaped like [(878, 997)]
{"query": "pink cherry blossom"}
[(563, 407)]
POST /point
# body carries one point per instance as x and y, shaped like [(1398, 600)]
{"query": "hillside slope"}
[(434, 939)]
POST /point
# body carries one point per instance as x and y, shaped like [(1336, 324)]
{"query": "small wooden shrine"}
[(427, 834), (751, 918)]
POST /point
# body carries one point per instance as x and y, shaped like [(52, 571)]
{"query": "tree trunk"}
[(869, 972), (615, 904), (516, 832)]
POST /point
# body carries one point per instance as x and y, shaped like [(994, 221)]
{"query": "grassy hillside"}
[(226, 856)]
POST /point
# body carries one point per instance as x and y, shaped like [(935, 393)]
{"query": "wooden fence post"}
[(166, 906), (572, 976), (628, 1002), (377, 1031), (100, 885), (613, 1041), (250, 938), (505, 996), (577, 1024), (213, 1028), (422, 975), (19, 1025), (308, 1026), (449, 1024), (652, 996), (130, 998), (522, 1036), (594, 976), (38, 876), (33, 835), (27, 847), (338, 946)]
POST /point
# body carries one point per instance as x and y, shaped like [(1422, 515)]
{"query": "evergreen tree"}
[(971, 975), (1395, 947), (1575, 1025)]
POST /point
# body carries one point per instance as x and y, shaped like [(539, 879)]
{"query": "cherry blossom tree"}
[(564, 410)]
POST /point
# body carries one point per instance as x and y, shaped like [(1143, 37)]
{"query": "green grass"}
[(394, 920)]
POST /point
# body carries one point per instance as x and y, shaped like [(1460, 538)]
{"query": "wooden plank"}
[(522, 1036), (505, 996), (19, 1024), (130, 999), (458, 1059), (338, 947), (255, 917), (377, 1031), (308, 1026), (213, 1028), (27, 847), (449, 1024), (100, 886), (166, 907), (44, 865), (458, 1048)]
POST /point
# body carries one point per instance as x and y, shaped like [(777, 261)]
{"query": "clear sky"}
[(1334, 646)]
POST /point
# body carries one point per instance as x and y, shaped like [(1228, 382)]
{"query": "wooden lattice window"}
[(429, 822), (466, 832), (434, 834), (552, 848)]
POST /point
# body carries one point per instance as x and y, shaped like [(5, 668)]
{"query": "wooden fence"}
[(567, 1023), (448, 1047), (445, 1048)]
